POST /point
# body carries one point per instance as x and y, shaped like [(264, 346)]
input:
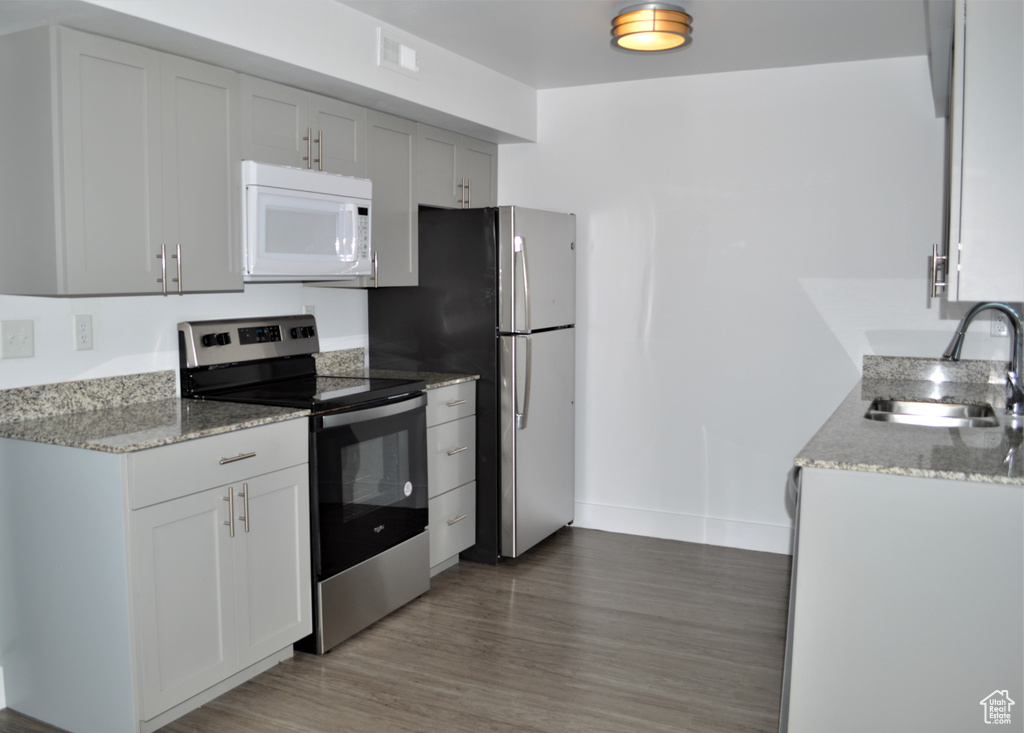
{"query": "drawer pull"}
[(239, 457), (453, 451), (456, 403), (456, 519)]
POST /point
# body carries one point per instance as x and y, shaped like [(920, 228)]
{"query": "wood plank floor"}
[(589, 631)]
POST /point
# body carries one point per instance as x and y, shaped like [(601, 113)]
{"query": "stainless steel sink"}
[(933, 414)]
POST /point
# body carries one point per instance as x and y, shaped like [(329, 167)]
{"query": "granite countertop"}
[(134, 412), (144, 425), (850, 442), (123, 414)]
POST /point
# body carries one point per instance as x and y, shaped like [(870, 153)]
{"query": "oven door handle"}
[(374, 413)]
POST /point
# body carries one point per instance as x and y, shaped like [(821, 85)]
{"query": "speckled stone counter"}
[(145, 425), (345, 361), (122, 414), (43, 400), (848, 441)]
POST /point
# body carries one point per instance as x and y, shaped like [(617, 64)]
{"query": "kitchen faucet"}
[(1015, 368)]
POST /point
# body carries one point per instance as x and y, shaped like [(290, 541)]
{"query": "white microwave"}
[(301, 224)]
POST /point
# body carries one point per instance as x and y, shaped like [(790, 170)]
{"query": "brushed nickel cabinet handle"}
[(309, 147), (938, 268), (163, 267), (177, 256), (239, 457), (319, 150), (230, 499), (453, 451), (456, 519), (456, 403), (244, 496)]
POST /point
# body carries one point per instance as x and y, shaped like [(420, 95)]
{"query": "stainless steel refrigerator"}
[(496, 297)]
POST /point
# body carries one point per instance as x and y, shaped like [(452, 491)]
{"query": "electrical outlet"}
[(309, 310), (999, 325), (83, 332), (17, 339)]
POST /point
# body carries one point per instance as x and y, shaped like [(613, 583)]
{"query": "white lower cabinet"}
[(208, 603), (451, 472), (149, 582), (907, 605)]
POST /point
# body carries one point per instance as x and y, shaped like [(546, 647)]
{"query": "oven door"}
[(368, 482)]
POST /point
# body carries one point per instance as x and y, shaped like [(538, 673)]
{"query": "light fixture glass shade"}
[(651, 27)]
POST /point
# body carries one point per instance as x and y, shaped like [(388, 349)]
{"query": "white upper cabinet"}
[(288, 126), (986, 225), (455, 171), (118, 159), (202, 177)]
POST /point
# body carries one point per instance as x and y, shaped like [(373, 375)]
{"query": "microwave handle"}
[(374, 268)]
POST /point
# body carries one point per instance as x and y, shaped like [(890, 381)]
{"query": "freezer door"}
[(536, 269), (537, 437)]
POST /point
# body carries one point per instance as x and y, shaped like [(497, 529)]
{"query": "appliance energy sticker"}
[(408, 488)]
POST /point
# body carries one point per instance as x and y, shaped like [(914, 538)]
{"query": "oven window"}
[(374, 473), (370, 488)]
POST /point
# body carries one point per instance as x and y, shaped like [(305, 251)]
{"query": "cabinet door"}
[(479, 165), (340, 128), (390, 155), (275, 119), (110, 104), (437, 167), (273, 576), (202, 175), (185, 600), (987, 179)]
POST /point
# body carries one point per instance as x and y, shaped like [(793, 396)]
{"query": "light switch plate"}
[(17, 340)]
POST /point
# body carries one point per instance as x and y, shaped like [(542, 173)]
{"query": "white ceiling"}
[(559, 43)]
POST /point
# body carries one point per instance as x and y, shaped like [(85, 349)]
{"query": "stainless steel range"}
[(367, 462)]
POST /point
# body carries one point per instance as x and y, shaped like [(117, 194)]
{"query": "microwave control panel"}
[(363, 233)]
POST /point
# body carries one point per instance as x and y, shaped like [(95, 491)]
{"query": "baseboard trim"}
[(686, 527)]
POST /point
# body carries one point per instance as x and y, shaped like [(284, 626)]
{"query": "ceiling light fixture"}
[(651, 27)]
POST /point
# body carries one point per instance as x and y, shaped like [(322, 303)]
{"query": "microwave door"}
[(304, 236)]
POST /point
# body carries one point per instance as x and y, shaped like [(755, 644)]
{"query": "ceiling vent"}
[(395, 55)]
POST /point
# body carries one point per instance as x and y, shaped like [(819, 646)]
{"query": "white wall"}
[(139, 334), (744, 239)]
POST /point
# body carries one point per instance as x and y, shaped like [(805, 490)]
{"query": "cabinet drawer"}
[(170, 471), (452, 522), (451, 455), (451, 402)]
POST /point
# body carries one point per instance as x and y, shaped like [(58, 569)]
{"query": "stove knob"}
[(208, 340), (307, 331), (295, 333), (224, 339)]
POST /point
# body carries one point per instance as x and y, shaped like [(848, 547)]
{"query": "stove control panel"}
[(230, 341), (259, 334)]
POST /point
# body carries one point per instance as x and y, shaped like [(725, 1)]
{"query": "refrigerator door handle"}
[(520, 249), (521, 416)]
